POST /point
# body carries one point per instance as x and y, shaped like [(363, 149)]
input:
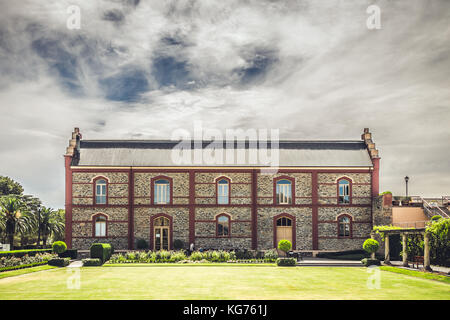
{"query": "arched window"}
[(100, 191), (284, 222), (100, 226), (223, 191), (344, 226), (162, 191), (284, 191), (223, 225), (344, 191)]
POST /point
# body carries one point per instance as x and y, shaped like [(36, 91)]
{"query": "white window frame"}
[(100, 226), (284, 192), (223, 192), (344, 191), (162, 192), (100, 197)]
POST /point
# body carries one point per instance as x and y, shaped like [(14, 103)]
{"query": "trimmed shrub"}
[(91, 262), (59, 262), (370, 262), (436, 218), (196, 256), (21, 253), (141, 244), (371, 246), (59, 247), (286, 262), (178, 244), (23, 266), (285, 245), (177, 256), (101, 251), (69, 253)]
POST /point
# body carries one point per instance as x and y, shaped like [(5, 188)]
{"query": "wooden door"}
[(284, 230)]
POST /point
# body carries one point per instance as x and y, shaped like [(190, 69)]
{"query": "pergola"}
[(404, 233)]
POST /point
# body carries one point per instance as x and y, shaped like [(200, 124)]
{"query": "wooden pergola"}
[(404, 233)]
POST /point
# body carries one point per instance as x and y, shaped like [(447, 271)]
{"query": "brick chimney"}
[(374, 156)]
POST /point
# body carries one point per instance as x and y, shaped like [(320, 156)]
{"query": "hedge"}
[(286, 262), (69, 253), (102, 251), (59, 262), (21, 253), (23, 266), (91, 262)]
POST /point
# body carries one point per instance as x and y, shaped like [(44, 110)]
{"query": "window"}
[(100, 191), (284, 192), (100, 226), (344, 226), (162, 191), (284, 222), (223, 226), (223, 191), (344, 191)]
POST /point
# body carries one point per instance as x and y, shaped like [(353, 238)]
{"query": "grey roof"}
[(154, 153)]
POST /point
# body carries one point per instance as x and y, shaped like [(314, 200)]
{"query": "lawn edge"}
[(114, 265), (417, 274), (19, 272)]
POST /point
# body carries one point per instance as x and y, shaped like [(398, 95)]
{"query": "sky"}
[(142, 69)]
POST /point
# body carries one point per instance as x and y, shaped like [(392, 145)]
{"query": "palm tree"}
[(49, 224), (10, 211)]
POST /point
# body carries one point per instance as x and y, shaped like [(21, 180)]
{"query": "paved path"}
[(323, 262), (434, 268), (75, 264)]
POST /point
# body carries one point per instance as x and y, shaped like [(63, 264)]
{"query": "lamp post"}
[(406, 181)]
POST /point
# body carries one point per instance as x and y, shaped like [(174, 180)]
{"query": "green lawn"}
[(219, 282)]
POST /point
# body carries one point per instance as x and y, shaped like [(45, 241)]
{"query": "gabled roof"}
[(153, 153)]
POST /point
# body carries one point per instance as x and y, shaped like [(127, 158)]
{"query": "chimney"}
[(374, 156), (73, 147)]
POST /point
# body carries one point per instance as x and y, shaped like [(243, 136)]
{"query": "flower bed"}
[(164, 256), (13, 263)]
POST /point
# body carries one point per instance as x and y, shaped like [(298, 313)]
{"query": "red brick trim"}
[(68, 201), (275, 180), (216, 237), (294, 229), (191, 207), (94, 217), (152, 219), (231, 221), (315, 210), (254, 210), (131, 210), (152, 189), (94, 238), (376, 177), (109, 221)]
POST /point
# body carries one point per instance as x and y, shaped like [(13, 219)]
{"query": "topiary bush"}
[(91, 262), (285, 245), (371, 246), (102, 251), (370, 262), (59, 247), (286, 262), (59, 262), (141, 244), (178, 244)]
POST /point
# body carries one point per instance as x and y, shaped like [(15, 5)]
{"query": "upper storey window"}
[(100, 191), (284, 191), (223, 191), (344, 191), (162, 191)]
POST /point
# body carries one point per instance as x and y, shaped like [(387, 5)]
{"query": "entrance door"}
[(161, 234), (284, 230)]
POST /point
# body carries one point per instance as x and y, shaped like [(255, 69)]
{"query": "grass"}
[(19, 272), (218, 282), (418, 274)]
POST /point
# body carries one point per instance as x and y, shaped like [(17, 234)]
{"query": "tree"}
[(49, 224), (371, 246), (285, 246), (10, 209), (9, 186)]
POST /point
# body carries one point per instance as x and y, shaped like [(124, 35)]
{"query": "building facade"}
[(321, 197)]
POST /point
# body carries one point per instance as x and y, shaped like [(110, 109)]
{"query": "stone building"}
[(321, 198)]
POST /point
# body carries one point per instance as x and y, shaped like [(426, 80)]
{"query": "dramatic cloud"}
[(141, 69)]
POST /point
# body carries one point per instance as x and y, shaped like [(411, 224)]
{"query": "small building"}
[(321, 197)]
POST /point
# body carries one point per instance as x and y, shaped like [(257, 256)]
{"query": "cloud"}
[(141, 69)]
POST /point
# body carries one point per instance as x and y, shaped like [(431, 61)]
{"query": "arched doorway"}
[(284, 230), (161, 233)]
